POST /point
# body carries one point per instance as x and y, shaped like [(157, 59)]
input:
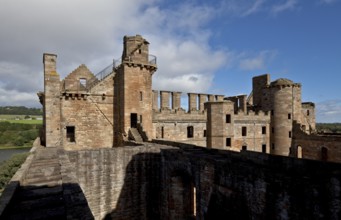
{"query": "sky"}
[(214, 46)]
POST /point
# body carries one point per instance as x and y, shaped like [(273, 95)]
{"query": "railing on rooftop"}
[(103, 74), (152, 59)]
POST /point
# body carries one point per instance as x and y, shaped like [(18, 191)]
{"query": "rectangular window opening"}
[(70, 134), (263, 130), (289, 116), (263, 148), (289, 134), (228, 142), (205, 133), (244, 147), (141, 96), (244, 131), (190, 131), (228, 118)]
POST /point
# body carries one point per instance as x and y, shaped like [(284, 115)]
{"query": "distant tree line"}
[(19, 110), (13, 134), (328, 127)]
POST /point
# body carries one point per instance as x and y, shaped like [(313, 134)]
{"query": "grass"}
[(20, 119)]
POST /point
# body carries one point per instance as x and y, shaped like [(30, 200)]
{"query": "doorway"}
[(133, 120)]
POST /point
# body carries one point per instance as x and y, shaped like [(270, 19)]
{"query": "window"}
[(82, 82), (140, 118), (308, 112), (244, 147), (273, 146), (289, 134), (141, 96), (190, 131), (244, 131), (263, 130), (272, 112), (289, 116), (272, 130), (162, 132), (299, 151), (70, 133), (228, 142), (228, 118), (263, 148), (205, 134), (140, 51)]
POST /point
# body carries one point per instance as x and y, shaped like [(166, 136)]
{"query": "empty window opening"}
[(308, 112), (228, 118), (162, 132), (82, 82), (289, 116), (289, 134), (299, 151), (324, 154), (263, 148), (194, 202), (140, 51), (140, 118), (244, 131), (190, 131), (205, 133), (263, 130), (141, 96), (228, 142), (244, 147), (272, 112), (273, 146), (272, 130), (70, 134)]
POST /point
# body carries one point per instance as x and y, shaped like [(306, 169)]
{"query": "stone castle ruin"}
[(112, 148), (87, 111)]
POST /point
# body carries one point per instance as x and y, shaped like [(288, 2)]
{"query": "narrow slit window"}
[(289, 116), (141, 96), (263, 148), (289, 134)]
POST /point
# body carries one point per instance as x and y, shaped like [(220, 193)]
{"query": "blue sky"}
[(202, 46)]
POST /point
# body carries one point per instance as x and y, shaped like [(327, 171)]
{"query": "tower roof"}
[(282, 82)]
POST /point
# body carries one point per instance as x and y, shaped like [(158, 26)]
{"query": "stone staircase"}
[(40, 195), (135, 135)]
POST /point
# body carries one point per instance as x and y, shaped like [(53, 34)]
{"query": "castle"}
[(87, 111), (114, 149)]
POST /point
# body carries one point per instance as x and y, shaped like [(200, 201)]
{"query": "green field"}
[(20, 119)]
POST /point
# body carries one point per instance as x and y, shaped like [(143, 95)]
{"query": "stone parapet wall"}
[(120, 183)]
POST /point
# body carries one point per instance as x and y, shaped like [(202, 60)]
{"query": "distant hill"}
[(19, 110), (328, 127)]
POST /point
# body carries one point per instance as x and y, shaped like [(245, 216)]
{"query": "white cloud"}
[(257, 5), (327, 1), (328, 111), (287, 5), (256, 62), (84, 31)]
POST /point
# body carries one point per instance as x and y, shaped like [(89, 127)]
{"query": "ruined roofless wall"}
[(247, 185)]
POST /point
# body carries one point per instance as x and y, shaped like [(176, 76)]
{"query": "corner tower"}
[(286, 108), (133, 89)]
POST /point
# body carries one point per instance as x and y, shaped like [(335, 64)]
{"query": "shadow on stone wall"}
[(63, 201), (140, 195)]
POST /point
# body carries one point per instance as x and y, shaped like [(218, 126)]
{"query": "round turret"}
[(286, 107)]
